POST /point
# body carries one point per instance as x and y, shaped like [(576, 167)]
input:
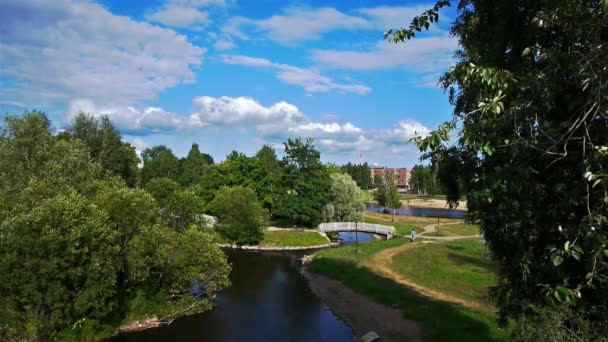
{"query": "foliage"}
[(345, 200), (241, 217), (159, 161), (305, 183), (360, 174), (183, 209), (106, 146), (193, 166), (424, 181), (213, 179), (383, 183), (268, 157), (162, 189), (529, 92), (393, 199), (58, 264)]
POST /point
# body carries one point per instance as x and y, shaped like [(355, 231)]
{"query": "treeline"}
[(87, 237), (424, 181), (360, 173)]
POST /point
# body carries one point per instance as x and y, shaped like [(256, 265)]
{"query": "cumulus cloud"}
[(134, 121), (302, 24), (387, 17), (55, 51), (420, 55), (311, 80), (404, 131), (180, 16)]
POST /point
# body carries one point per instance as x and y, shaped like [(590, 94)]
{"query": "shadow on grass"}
[(460, 259), (441, 321), (455, 248)]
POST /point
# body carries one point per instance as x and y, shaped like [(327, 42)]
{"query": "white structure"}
[(373, 228)]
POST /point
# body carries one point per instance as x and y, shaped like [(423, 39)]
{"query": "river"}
[(269, 300), (415, 211)]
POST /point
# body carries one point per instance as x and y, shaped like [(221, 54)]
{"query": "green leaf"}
[(557, 259)]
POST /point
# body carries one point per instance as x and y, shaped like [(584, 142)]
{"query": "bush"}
[(241, 217)]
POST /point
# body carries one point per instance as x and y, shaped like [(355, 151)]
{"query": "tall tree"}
[(424, 181), (384, 181), (306, 183), (268, 157), (193, 166), (159, 161), (393, 200), (529, 96), (106, 146), (345, 200)]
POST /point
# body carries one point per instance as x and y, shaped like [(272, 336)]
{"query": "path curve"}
[(432, 228), (381, 264)]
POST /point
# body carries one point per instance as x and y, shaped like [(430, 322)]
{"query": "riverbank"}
[(440, 320), (285, 239)]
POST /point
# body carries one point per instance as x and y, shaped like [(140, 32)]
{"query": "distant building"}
[(402, 175)]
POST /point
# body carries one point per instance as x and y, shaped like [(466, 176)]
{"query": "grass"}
[(461, 229), (368, 195), (403, 228), (442, 321), (283, 222), (400, 220), (292, 238), (456, 268), (422, 197)]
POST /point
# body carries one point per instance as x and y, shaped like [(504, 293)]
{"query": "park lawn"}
[(402, 228), (293, 238), (442, 321), (419, 221), (462, 229), (455, 268), (283, 222)]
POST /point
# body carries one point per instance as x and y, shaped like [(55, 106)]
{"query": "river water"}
[(269, 300), (415, 211)]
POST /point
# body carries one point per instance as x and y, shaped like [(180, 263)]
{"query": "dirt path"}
[(362, 313), (381, 263), (432, 228)]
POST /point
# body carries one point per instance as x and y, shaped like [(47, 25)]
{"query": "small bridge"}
[(379, 229)]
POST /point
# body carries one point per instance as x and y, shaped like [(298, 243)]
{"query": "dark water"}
[(269, 300), (426, 212), (351, 237)]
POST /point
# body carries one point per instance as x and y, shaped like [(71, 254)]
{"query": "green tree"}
[(424, 181), (162, 189), (163, 261), (306, 183), (159, 161), (384, 181), (193, 166), (529, 97), (213, 179), (393, 200), (272, 185), (183, 209), (58, 264), (241, 217), (345, 200), (360, 174), (106, 146)]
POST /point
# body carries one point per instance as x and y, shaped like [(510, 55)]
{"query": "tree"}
[(393, 200), (213, 179), (424, 181), (241, 217), (306, 183), (162, 189), (159, 161), (384, 181), (106, 146), (268, 157), (360, 174), (164, 261), (58, 264), (345, 200), (529, 97), (193, 166)]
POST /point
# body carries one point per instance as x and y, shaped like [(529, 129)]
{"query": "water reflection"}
[(426, 212), (269, 300)]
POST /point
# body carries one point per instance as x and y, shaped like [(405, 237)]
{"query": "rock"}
[(370, 337)]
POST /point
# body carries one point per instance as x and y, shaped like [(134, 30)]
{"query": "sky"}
[(232, 74)]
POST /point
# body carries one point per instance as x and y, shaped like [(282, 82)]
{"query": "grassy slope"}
[(455, 268), (401, 227), (290, 238), (456, 229), (441, 321)]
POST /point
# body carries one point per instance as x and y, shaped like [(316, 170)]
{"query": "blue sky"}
[(229, 74)]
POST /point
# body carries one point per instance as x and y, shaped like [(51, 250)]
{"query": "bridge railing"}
[(362, 227)]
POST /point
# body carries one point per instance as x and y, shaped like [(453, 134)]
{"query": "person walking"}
[(413, 235)]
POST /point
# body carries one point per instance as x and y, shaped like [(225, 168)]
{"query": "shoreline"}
[(361, 313), (277, 248)]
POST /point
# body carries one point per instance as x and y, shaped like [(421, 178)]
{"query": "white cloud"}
[(223, 45), (421, 55), (180, 16), (311, 80), (134, 121), (388, 17), (404, 131), (57, 51), (302, 24)]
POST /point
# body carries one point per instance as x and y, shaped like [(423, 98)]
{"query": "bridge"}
[(378, 229)]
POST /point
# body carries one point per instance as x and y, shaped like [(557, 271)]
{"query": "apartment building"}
[(402, 174)]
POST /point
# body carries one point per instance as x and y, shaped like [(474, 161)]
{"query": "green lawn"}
[(401, 227), (442, 321), (462, 229), (292, 238), (455, 268)]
